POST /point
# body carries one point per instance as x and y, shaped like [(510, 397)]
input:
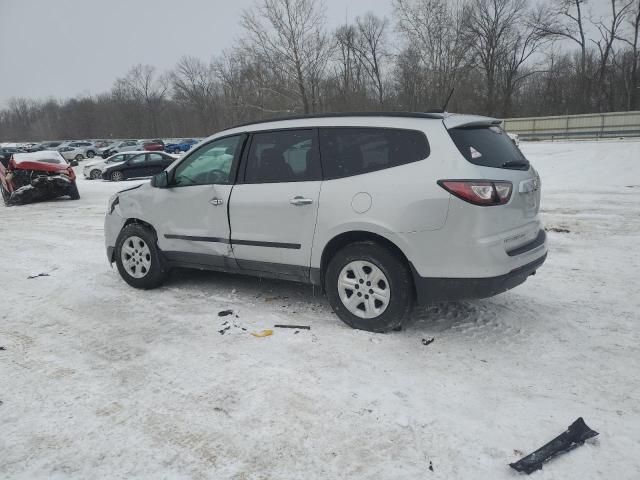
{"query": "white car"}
[(121, 146), (378, 210), (93, 170), (72, 153)]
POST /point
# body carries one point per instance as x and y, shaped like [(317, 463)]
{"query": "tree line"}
[(504, 58)]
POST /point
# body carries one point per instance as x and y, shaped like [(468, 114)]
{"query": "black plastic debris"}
[(427, 341), (557, 229), (224, 313), (573, 437), (3, 348), (298, 327), (38, 275), (430, 465)]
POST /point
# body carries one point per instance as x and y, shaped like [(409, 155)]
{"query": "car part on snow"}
[(427, 341), (573, 437), (300, 327), (263, 333), (38, 275), (224, 313)]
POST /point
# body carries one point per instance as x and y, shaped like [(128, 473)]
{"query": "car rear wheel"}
[(369, 287), (79, 157), (91, 154), (176, 150), (117, 176), (95, 174), (138, 257)]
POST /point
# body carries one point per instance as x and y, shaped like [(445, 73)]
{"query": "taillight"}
[(479, 192)]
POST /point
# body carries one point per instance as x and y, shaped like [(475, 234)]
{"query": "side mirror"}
[(73, 163), (161, 180)]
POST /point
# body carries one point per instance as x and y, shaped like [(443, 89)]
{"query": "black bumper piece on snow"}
[(431, 290), (573, 437)]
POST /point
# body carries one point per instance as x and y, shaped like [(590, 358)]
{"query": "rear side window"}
[(488, 147), (354, 151), (283, 156)]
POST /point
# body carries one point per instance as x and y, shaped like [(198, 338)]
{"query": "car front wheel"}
[(95, 174), (138, 257), (91, 154), (369, 287)]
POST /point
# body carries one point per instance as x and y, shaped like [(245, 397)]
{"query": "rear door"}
[(273, 210), (156, 163)]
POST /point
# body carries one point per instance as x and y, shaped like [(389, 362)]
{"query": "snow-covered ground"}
[(98, 380)]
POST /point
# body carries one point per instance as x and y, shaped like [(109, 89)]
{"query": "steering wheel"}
[(214, 176)]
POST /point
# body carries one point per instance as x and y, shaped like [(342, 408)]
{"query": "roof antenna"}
[(444, 108)]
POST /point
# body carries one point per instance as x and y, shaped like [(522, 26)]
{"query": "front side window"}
[(138, 159), (354, 151), (211, 164), (116, 159), (283, 156)]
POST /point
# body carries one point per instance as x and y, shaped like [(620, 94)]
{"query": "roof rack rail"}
[(431, 115)]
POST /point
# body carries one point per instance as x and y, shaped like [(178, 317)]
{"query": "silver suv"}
[(380, 210)]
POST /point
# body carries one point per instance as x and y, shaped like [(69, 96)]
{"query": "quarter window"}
[(354, 151), (283, 156), (210, 164)]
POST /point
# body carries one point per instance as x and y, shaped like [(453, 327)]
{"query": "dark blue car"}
[(182, 146)]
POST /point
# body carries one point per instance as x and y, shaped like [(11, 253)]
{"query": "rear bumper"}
[(431, 290)]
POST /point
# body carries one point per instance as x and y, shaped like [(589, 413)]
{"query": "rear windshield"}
[(488, 147)]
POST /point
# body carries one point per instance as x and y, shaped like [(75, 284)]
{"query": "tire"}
[(117, 176), (74, 194), (91, 154), (5, 195), (357, 264), (95, 174), (176, 151), (79, 157), (140, 243)]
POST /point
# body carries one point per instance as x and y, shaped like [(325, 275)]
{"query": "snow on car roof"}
[(42, 156)]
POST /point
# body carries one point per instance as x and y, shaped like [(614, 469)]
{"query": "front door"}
[(136, 166), (273, 209), (192, 222)]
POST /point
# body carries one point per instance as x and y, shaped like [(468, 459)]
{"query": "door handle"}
[(216, 201), (299, 201)]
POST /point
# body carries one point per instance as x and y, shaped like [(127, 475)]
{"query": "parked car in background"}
[(6, 152), (156, 145), (89, 150), (376, 209), (180, 146), (72, 153), (32, 177), (145, 164), (51, 145), (93, 169), (122, 146)]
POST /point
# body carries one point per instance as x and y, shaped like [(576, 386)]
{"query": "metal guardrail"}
[(587, 126)]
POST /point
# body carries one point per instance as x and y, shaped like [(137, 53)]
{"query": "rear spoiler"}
[(461, 121)]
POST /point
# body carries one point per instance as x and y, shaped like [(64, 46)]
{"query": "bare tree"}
[(195, 85), (434, 30), (288, 37), (609, 34)]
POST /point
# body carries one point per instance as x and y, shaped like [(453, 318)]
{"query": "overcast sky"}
[(62, 48)]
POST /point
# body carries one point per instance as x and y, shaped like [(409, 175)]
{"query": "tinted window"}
[(284, 156), (138, 159), (116, 159), (210, 164), (354, 151), (488, 146), (156, 157)]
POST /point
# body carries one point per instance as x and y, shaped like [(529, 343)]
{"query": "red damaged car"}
[(32, 177)]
